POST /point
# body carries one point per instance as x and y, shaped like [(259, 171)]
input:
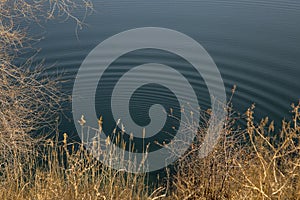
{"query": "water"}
[(255, 45)]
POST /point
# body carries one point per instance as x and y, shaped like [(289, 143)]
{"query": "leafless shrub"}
[(271, 170), (29, 100), (251, 163)]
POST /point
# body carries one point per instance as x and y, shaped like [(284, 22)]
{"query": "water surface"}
[(255, 45)]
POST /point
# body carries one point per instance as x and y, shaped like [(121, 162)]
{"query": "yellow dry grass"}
[(255, 162)]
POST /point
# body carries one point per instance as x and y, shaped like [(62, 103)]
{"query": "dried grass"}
[(252, 163)]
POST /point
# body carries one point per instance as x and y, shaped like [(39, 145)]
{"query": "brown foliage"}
[(29, 101)]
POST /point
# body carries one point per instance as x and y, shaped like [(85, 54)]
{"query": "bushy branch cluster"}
[(29, 99)]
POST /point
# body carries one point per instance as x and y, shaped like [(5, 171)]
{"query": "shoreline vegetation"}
[(255, 162)]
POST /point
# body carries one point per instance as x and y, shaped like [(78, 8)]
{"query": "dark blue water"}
[(255, 44)]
